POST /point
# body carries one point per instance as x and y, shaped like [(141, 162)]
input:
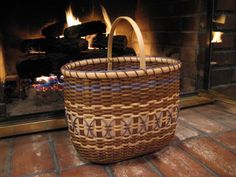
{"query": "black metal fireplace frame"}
[(55, 115)]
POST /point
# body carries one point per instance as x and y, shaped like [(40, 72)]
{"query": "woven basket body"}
[(124, 112)]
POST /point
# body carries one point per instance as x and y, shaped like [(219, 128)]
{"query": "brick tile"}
[(183, 132), (66, 153), (31, 154), (133, 168), (4, 148), (46, 175), (174, 162), (220, 160), (228, 139), (216, 113), (201, 122), (85, 171), (227, 107)]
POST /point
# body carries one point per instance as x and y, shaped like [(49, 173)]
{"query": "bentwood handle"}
[(139, 37)]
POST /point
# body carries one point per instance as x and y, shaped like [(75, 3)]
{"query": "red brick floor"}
[(204, 145)]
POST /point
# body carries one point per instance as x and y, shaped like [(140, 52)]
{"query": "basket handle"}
[(139, 37)]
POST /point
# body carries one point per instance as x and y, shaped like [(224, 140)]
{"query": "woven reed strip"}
[(69, 69), (89, 114), (113, 155), (123, 106), (119, 114), (134, 129), (146, 138), (161, 86)]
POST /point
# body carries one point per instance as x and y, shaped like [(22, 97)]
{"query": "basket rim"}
[(69, 68)]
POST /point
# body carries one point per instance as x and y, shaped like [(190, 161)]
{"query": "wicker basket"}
[(129, 111)]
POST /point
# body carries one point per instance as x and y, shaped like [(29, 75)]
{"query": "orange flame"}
[(221, 19), (89, 38), (70, 18), (217, 37), (2, 66), (106, 19)]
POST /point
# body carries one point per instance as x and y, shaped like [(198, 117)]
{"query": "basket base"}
[(111, 155), (117, 155)]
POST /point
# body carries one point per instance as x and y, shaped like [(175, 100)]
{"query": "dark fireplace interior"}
[(35, 42)]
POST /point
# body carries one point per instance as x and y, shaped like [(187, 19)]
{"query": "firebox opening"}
[(39, 38), (36, 41)]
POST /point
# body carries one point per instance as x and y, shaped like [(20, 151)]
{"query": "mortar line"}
[(108, 169), (54, 155), (9, 158), (203, 134), (221, 132), (75, 166), (217, 108), (208, 169), (204, 114), (224, 102), (37, 173), (153, 166), (222, 145), (193, 128), (232, 114)]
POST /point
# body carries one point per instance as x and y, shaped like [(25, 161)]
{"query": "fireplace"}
[(37, 39), (33, 47)]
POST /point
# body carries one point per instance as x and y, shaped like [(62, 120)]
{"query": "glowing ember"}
[(70, 18), (216, 37), (47, 83), (32, 51)]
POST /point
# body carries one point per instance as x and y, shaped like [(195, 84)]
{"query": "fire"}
[(217, 37), (32, 51), (47, 83), (72, 21), (2, 66), (70, 18), (106, 19), (89, 38), (221, 19), (46, 79)]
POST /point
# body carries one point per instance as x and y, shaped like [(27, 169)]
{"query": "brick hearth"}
[(204, 145)]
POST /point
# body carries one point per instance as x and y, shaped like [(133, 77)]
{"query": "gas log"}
[(54, 30), (119, 42), (54, 45), (102, 53), (93, 27), (31, 66), (59, 51), (65, 45)]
